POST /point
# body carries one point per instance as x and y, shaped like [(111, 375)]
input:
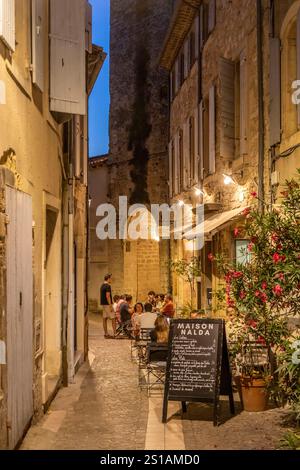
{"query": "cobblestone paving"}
[(105, 410)]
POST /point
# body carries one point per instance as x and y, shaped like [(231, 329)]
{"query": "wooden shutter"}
[(89, 28), (244, 108), (177, 78), (275, 91), (212, 130), (227, 108), (186, 58), (7, 23), (196, 145), (38, 25), (176, 164), (201, 141), (186, 154), (196, 29), (170, 169), (298, 60), (67, 57), (211, 15)]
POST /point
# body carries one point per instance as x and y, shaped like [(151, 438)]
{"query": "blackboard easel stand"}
[(223, 384)]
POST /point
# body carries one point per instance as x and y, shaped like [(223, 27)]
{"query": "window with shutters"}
[(38, 31), (7, 23), (192, 150), (290, 75), (173, 162), (205, 135), (67, 57), (181, 168), (233, 115)]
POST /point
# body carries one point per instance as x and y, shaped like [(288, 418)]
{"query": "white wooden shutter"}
[(244, 108), (298, 59), (89, 28), (196, 29), (186, 58), (212, 130), (201, 141), (275, 92), (7, 23), (186, 154), (196, 140), (227, 108), (211, 15), (38, 27), (67, 57), (170, 169)]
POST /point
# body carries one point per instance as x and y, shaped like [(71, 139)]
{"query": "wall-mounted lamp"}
[(90, 201), (181, 203), (198, 192), (228, 179)]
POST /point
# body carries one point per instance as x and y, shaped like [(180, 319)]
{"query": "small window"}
[(242, 254)]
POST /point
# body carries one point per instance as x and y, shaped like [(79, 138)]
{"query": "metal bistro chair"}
[(140, 346), (156, 363), (139, 343)]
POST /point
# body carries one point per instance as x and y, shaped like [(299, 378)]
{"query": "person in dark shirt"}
[(126, 309), (107, 305)]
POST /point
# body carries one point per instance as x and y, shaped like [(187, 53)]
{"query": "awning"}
[(214, 224)]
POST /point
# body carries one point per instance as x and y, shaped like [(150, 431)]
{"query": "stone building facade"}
[(43, 203), (138, 156), (240, 79)]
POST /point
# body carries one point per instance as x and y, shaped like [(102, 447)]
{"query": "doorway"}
[(19, 314)]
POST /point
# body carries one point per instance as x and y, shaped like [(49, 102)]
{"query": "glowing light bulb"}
[(228, 180)]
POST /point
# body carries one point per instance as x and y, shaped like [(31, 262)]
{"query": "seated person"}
[(168, 308), (148, 307), (148, 318), (151, 298), (136, 322), (160, 337), (118, 308), (160, 334), (126, 309)]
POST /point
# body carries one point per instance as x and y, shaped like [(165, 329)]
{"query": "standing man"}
[(107, 305)]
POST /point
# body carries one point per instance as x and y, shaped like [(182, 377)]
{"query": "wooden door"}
[(19, 314)]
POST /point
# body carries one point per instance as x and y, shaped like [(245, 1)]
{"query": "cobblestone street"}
[(105, 410)]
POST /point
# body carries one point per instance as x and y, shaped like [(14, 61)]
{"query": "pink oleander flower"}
[(211, 257), (246, 211), (236, 232), (254, 194), (257, 293), (242, 295), (277, 290), (264, 285), (264, 297), (250, 247), (276, 258), (237, 275)]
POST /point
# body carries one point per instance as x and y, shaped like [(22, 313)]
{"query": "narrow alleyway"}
[(104, 410)]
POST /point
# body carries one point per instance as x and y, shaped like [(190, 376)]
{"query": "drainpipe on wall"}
[(261, 126), (65, 296), (70, 331), (272, 150)]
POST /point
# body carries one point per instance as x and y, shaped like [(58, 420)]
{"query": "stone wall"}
[(138, 133)]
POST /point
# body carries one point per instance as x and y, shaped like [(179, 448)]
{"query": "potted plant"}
[(262, 293)]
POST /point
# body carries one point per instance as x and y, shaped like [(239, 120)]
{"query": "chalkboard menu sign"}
[(198, 366)]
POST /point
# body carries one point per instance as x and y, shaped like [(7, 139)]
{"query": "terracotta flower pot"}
[(254, 394)]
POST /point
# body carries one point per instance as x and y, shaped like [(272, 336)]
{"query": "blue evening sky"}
[(99, 99)]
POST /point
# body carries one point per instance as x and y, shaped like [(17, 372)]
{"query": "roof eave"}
[(181, 22)]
